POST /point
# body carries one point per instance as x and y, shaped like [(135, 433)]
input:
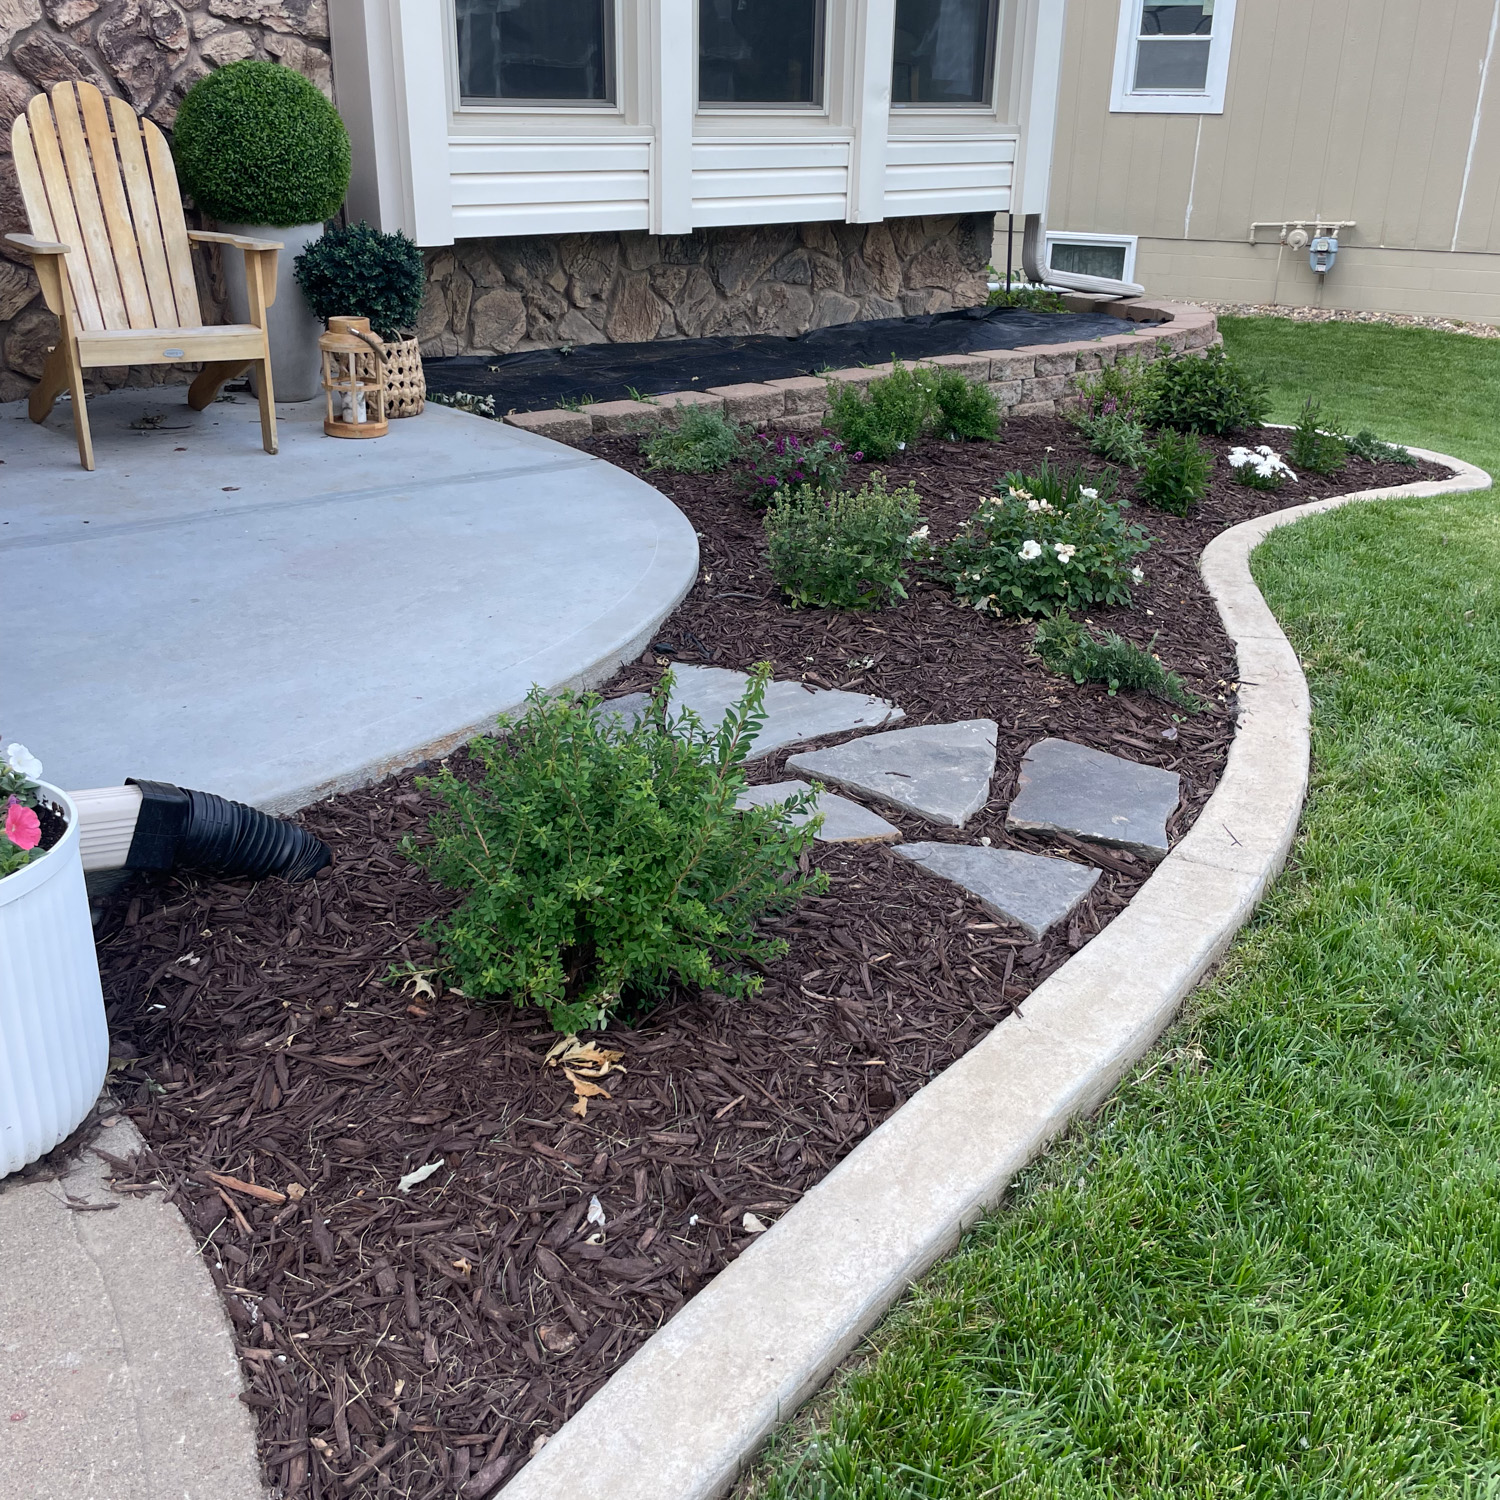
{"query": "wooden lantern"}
[(353, 379)]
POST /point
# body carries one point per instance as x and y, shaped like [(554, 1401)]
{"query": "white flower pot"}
[(292, 326), (54, 1044)]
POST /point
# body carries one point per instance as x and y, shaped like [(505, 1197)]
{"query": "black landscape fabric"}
[(542, 378)]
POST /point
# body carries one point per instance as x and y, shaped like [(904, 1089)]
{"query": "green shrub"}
[(1071, 650), (1311, 446), (703, 442), (1114, 437), (847, 550), (599, 859), (958, 407), (1364, 444), (1261, 468), (1042, 542), (256, 143), (360, 272), (1203, 393), (1021, 293), (1117, 390), (1175, 473), (789, 461), (882, 419), (478, 406)]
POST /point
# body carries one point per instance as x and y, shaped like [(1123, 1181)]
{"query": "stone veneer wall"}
[(150, 52), (493, 296)]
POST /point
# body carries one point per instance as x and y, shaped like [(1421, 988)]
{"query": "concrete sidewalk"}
[(275, 628), (118, 1377)]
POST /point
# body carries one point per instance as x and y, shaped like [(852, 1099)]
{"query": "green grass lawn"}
[(1271, 1266)]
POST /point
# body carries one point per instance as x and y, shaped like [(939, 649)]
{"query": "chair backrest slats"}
[(101, 253), (148, 235), (173, 226), (116, 209), (100, 179)]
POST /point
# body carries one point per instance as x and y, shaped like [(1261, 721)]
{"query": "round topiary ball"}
[(256, 143)]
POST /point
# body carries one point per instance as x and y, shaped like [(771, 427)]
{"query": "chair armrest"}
[(239, 241), (35, 246)]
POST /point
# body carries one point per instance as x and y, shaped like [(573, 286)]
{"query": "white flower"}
[(1137, 575), (1065, 551), (1030, 550), (21, 760), (1037, 506), (1089, 494), (919, 535)]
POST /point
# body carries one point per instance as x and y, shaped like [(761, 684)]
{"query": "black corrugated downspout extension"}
[(180, 829)]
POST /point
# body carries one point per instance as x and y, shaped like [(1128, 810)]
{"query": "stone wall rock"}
[(149, 52), (632, 287)]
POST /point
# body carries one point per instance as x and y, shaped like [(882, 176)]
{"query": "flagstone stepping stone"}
[(794, 713), (844, 822), (1068, 788), (1032, 890), (939, 771)]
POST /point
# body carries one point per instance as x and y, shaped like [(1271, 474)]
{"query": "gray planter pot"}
[(293, 327)]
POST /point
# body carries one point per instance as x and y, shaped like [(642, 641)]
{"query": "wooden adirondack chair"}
[(110, 247)]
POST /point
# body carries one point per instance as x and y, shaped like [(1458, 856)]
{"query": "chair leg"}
[(80, 410), (267, 405), (212, 379), (53, 383)]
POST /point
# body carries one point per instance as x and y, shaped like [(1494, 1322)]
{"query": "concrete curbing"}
[(1028, 381), (682, 1418)]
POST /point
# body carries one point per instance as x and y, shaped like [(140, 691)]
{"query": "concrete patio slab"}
[(278, 628), (118, 1376)]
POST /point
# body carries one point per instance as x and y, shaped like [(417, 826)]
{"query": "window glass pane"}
[(556, 50), (1164, 64), (760, 51), (943, 51), (1090, 260), (1177, 20)]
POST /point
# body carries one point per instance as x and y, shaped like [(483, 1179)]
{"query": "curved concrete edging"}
[(680, 1420)]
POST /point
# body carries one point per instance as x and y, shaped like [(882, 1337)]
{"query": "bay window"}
[(760, 52), (536, 51), (944, 52)]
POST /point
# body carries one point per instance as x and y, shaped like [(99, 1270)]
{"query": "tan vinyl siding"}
[(1348, 109)]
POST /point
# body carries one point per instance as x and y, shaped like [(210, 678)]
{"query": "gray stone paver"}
[(844, 822), (941, 772), (794, 713), (1034, 891), (1068, 788)]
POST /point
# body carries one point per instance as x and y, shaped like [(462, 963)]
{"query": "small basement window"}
[(536, 51), (944, 52), (1172, 59), (760, 53), (1109, 255)]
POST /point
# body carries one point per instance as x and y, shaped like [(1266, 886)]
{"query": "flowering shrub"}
[(1072, 650), (21, 832), (787, 461), (1202, 393), (599, 859), (1044, 542), (703, 442), (1116, 390), (848, 550), (1312, 446), (1176, 473), (1261, 468)]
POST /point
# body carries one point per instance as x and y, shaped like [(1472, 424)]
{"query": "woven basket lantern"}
[(353, 379), (405, 384)]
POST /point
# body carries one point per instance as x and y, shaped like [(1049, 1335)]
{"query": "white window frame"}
[(712, 108), (1066, 237), (597, 108), (1125, 99)]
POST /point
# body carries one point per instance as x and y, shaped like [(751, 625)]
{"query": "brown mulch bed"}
[(420, 1344)]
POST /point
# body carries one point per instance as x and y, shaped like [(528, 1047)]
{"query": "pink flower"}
[(22, 826)]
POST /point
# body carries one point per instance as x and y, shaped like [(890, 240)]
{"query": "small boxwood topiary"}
[(256, 143), (360, 272)]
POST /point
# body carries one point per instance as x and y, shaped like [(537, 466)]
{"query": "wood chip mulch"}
[(423, 1343)]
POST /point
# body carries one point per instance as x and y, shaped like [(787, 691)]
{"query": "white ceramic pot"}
[(294, 328), (54, 1044)]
